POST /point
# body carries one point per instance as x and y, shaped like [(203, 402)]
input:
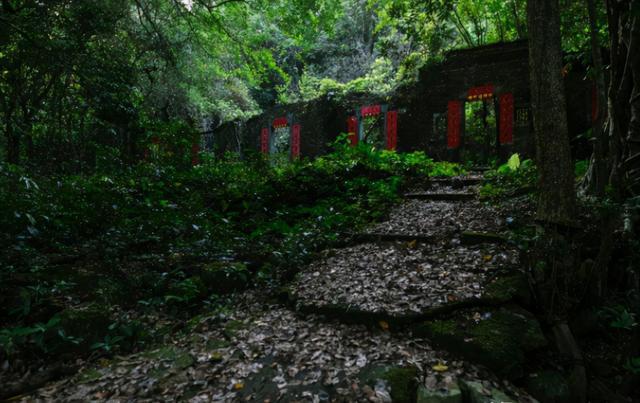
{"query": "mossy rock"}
[(451, 395), (549, 386), (401, 381), (89, 324), (89, 375), (499, 339), (475, 392), (224, 278), (232, 328), (477, 238), (177, 358), (511, 287)]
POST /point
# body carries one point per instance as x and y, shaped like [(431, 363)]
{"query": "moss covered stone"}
[(400, 381), (476, 392), (499, 339), (232, 328), (88, 324), (177, 358), (549, 386), (224, 278), (512, 287), (451, 395), (89, 375)]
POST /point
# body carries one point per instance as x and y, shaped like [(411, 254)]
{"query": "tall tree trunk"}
[(556, 181)]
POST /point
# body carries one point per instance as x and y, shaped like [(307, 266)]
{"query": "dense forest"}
[(143, 258)]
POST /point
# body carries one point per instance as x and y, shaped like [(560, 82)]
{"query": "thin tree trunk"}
[(556, 203), (597, 178), (620, 89), (516, 19), (13, 144), (632, 162)]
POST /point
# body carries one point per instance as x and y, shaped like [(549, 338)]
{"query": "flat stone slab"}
[(400, 279), (451, 196), (441, 219), (458, 181)]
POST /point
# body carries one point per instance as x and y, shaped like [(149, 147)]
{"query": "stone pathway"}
[(363, 327)]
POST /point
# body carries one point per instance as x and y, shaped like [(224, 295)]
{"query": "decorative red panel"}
[(482, 92), (352, 129), (392, 130), (371, 110), (295, 141), (454, 122), (280, 122), (264, 140), (195, 154), (506, 118)]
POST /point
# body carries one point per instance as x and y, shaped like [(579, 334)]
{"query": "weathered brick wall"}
[(504, 66)]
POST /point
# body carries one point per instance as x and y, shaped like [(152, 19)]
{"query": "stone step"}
[(471, 181), (441, 196), (383, 237), (476, 238), (466, 238)]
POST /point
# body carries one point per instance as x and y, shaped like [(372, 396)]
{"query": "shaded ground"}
[(402, 278), (264, 351), (441, 219)]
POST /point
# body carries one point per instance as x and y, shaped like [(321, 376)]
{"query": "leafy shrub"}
[(228, 209), (509, 179)]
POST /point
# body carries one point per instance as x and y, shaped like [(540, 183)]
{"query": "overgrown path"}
[(421, 307)]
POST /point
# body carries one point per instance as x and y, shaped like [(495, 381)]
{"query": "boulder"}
[(453, 394), (549, 386), (399, 381), (86, 325), (476, 392), (498, 338), (224, 277)]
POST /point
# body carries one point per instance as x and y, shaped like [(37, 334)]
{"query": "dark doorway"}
[(480, 132), (373, 131)]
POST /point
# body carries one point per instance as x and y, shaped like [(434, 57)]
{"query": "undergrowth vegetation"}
[(512, 178), (156, 237)]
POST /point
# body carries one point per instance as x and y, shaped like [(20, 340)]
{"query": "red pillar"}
[(295, 141), (352, 129), (454, 123), (392, 130), (506, 118), (264, 140)]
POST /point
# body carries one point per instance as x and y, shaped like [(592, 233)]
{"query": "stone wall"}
[(504, 66)]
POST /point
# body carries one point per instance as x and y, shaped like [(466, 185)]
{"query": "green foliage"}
[(618, 317), (633, 365), (509, 179), (581, 168), (165, 212)]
